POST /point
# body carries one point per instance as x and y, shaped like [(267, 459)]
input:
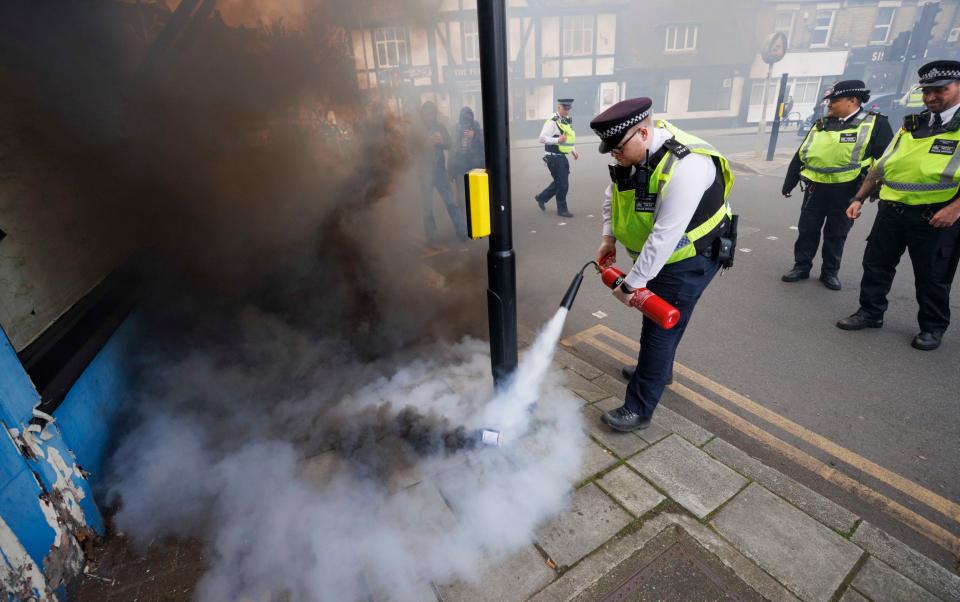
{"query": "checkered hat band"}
[(849, 90), (623, 125), (938, 74)]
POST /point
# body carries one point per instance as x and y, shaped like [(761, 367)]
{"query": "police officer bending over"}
[(831, 162), (558, 137), (919, 180), (667, 206)]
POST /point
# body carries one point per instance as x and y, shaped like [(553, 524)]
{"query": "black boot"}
[(624, 420), (795, 275), (564, 213), (858, 321), (541, 204), (926, 341), (830, 281)]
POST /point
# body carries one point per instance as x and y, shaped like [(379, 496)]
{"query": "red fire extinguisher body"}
[(649, 303)]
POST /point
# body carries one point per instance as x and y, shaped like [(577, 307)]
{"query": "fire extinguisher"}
[(649, 303)]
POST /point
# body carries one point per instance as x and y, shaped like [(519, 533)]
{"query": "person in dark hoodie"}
[(467, 151), (435, 176)]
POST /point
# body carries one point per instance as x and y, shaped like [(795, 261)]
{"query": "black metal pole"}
[(501, 263), (775, 130)]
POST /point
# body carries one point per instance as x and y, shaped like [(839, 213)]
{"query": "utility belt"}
[(925, 211)]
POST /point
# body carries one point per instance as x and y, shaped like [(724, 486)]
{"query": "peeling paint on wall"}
[(20, 575)]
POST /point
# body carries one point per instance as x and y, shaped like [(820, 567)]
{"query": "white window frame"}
[(885, 26), (577, 35), (828, 28), (471, 41), (793, 19), (681, 37), (387, 39)]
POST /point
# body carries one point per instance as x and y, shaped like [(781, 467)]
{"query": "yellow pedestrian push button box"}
[(478, 203)]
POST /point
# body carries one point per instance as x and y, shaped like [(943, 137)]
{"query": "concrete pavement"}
[(672, 512)]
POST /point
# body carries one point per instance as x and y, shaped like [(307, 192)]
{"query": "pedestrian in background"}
[(830, 165), (919, 189), (558, 138), (434, 176), (467, 152)]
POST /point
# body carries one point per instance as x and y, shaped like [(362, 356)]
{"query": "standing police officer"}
[(919, 181), (831, 163), (558, 137), (667, 205)]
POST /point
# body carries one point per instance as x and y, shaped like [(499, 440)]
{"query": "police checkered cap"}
[(939, 73), (612, 124), (850, 87)]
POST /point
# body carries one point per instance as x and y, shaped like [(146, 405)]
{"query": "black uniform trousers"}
[(934, 253), (681, 285), (559, 167), (823, 203)]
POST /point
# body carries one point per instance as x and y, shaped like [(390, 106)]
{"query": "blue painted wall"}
[(86, 416)]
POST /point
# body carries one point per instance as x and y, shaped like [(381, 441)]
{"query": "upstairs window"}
[(471, 41), (881, 29), (577, 35), (821, 28), (681, 38), (391, 44)]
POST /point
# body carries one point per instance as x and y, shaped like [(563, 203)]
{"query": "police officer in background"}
[(558, 138), (831, 163), (919, 180), (667, 206)]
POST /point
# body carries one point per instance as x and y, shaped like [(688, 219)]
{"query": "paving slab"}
[(514, 578), (585, 575), (595, 459), (630, 490), (808, 558), (613, 385), (608, 403), (591, 519), (852, 595), (915, 566), (688, 475), (585, 389), (569, 360), (811, 502), (676, 423), (622, 444), (880, 583)]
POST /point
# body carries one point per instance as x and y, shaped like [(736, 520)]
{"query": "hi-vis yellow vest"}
[(632, 227), (920, 171), (565, 128), (832, 157)]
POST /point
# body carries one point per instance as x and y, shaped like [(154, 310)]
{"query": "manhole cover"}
[(672, 566)]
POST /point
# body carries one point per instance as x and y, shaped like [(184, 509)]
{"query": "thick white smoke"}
[(210, 458)]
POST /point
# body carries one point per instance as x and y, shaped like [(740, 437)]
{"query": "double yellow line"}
[(593, 337)]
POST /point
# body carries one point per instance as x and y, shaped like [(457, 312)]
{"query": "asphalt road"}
[(774, 343)]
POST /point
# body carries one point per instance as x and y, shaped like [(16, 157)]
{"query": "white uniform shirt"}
[(692, 176), (550, 133), (945, 116)]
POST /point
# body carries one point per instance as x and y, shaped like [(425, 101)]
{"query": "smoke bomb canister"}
[(490, 437)]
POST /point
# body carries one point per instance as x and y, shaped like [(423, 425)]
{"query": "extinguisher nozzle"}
[(571, 293)]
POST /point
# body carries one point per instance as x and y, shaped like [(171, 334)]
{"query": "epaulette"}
[(679, 150), (820, 123)]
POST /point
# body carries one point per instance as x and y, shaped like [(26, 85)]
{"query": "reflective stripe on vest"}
[(913, 175), (827, 160), (632, 228)]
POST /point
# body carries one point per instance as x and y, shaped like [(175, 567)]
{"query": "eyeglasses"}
[(618, 149)]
